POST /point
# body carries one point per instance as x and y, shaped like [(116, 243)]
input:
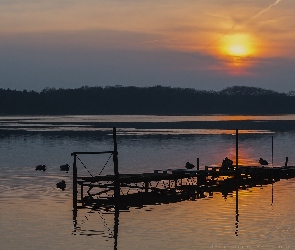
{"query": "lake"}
[(35, 214)]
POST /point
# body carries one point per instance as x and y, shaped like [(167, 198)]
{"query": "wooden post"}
[(286, 163), (272, 150), (116, 227), (116, 190), (75, 191), (237, 212), (116, 168), (75, 211), (201, 179), (198, 164), (237, 149), (237, 202), (146, 186)]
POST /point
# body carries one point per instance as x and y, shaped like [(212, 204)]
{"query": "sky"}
[(200, 44)]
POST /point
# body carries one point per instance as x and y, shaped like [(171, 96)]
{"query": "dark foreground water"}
[(34, 214)]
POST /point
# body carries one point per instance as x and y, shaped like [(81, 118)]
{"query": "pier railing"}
[(115, 177)]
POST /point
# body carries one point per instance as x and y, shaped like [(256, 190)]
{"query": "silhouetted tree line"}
[(156, 100)]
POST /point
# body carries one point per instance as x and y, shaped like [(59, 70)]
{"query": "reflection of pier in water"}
[(120, 192)]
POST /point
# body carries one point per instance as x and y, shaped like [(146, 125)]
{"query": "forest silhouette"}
[(156, 100)]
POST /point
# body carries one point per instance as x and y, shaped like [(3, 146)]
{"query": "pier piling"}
[(116, 167), (286, 162), (75, 190), (272, 150), (237, 149)]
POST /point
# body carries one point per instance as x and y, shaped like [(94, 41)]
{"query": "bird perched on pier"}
[(189, 165), (227, 164), (263, 162), (65, 167), (62, 185), (41, 168)]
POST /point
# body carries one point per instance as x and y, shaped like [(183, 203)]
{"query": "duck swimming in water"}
[(65, 167), (41, 168), (62, 185)]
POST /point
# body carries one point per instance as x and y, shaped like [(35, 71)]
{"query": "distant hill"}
[(156, 100)]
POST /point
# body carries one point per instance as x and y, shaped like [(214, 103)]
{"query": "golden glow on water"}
[(264, 218), (245, 157)]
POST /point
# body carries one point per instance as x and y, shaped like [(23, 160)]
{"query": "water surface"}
[(35, 214)]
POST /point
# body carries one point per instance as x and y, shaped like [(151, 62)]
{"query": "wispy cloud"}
[(245, 22), (266, 9), (275, 20), (159, 40)]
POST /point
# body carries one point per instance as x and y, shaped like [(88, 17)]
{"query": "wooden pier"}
[(165, 186), (137, 190)]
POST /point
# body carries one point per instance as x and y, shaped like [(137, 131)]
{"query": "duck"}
[(263, 162), (41, 168), (65, 167), (188, 165), (62, 185)]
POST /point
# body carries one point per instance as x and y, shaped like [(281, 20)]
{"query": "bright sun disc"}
[(237, 45), (238, 50)]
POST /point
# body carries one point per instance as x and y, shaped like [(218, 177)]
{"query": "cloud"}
[(266, 9), (29, 65), (70, 43)]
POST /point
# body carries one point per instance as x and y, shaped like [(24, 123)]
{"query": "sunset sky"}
[(201, 44)]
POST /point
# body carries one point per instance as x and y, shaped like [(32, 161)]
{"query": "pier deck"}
[(174, 185)]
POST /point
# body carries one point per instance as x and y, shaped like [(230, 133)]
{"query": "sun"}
[(237, 46), (238, 50)]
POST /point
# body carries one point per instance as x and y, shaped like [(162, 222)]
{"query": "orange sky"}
[(218, 42)]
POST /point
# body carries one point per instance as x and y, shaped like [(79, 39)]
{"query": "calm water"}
[(34, 214)]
